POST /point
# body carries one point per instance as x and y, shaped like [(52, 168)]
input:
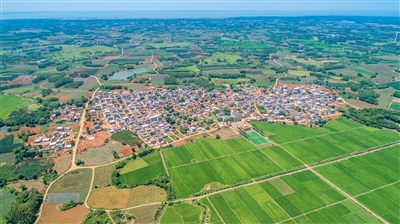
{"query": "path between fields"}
[(74, 149)]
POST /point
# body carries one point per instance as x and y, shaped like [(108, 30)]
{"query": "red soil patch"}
[(38, 185), (180, 142), (88, 95), (372, 70), (97, 142), (63, 97), (16, 80), (146, 88), (125, 55), (89, 124), (36, 129), (125, 150), (50, 214), (82, 69), (156, 56), (108, 58), (61, 163)]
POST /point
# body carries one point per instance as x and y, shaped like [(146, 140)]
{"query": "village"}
[(161, 113), (153, 114)]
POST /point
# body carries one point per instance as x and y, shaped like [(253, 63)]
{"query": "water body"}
[(127, 73)]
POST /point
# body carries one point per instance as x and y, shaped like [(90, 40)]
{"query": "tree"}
[(218, 136)]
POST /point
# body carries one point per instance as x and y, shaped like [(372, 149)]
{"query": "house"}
[(245, 127)]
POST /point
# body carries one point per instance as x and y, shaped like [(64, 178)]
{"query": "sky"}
[(195, 5)]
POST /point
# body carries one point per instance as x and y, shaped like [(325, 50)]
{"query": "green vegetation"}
[(127, 137), (149, 172), (184, 212), (77, 181), (222, 57), (273, 202), (97, 216), (256, 138), (378, 118), (69, 205), (25, 207), (10, 103), (7, 198)]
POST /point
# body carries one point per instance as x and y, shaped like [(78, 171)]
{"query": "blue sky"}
[(184, 5)]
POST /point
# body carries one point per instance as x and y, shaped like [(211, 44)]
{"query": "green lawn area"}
[(181, 213), (256, 138), (230, 58), (6, 199), (9, 103), (144, 173), (134, 165)]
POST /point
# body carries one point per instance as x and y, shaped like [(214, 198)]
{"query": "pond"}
[(126, 74)]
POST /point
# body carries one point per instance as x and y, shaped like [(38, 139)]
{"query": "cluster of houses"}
[(149, 113), (57, 141)]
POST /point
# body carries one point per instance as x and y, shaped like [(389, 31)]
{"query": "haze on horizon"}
[(316, 6)]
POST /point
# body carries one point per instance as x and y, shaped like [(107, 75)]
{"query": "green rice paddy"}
[(256, 138), (181, 213)]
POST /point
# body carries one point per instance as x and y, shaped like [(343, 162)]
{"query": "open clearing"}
[(181, 213), (226, 134), (77, 181), (109, 197), (51, 214), (146, 194), (256, 138)]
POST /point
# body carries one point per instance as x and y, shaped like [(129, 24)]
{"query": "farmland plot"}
[(276, 200)]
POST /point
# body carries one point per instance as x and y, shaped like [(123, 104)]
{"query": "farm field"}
[(154, 168), (73, 182), (146, 194), (344, 212), (384, 202), (191, 178), (108, 197), (7, 199), (276, 200), (9, 103), (101, 155), (350, 176), (51, 214), (340, 143), (395, 106), (229, 58), (281, 157), (256, 138), (285, 133), (181, 213), (205, 149), (102, 175), (144, 214), (214, 218)]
